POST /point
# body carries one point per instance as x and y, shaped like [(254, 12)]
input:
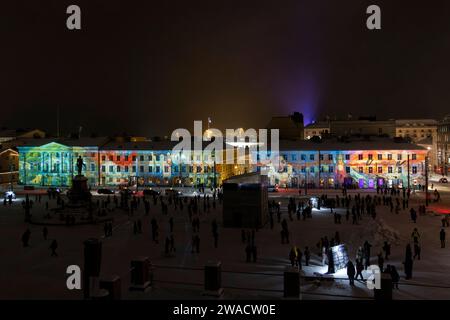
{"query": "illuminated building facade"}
[(328, 164)]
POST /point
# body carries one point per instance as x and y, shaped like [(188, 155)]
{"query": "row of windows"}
[(311, 157), (360, 169), (156, 169)]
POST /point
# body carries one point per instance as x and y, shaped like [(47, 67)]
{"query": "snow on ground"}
[(30, 273)]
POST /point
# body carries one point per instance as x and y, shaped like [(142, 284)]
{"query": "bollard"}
[(291, 283), (92, 264), (385, 293), (213, 279), (140, 274), (113, 285)]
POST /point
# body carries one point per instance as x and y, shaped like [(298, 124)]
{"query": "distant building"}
[(9, 160), (291, 127), (12, 134), (349, 127), (422, 132), (443, 146)]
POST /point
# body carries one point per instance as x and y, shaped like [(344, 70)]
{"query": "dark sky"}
[(148, 67)]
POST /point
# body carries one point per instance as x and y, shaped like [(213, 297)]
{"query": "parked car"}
[(151, 192), (272, 189), (128, 191), (173, 192), (443, 180), (105, 191)]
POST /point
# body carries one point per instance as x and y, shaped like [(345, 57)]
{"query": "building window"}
[(370, 169), (294, 157), (414, 170), (347, 157), (183, 168), (303, 169), (380, 157), (360, 169), (118, 158), (103, 158), (150, 158), (360, 156), (199, 169), (133, 158), (118, 168), (191, 169), (311, 169), (370, 156), (111, 169), (141, 168), (311, 157), (92, 167), (389, 156), (399, 157), (389, 169), (141, 158), (126, 158), (414, 156), (103, 169), (134, 168), (380, 169), (330, 157), (330, 169), (321, 168), (303, 157), (399, 169), (175, 169), (158, 169), (347, 169), (150, 169), (110, 158)]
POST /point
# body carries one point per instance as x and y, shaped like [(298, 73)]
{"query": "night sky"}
[(148, 67)]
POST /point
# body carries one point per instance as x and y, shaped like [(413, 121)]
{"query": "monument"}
[(79, 194)]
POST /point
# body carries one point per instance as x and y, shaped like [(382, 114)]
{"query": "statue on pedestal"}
[(80, 165)]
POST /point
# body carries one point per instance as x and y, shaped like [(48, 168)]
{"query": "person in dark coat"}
[(394, 276), (359, 269), (351, 272), (408, 263), (26, 237), (307, 256), (53, 247), (442, 237)]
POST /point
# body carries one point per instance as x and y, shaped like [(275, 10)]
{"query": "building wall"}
[(363, 169), (55, 165), (443, 147), (9, 169)]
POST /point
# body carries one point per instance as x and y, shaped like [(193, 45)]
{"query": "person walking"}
[(53, 247), (307, 256), (387, 250), (442, 237), (359, 269), (408, 263), (351, 272)]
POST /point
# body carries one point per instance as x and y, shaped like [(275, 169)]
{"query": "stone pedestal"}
[(79, 192), (385, 292), (113, 285)]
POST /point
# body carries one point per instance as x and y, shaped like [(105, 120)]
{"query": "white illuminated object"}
[(10, 193), (243, 144)]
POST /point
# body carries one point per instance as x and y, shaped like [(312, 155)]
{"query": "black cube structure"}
[(291, 288), (92, 265), (245, 201), (113, 285), (213, 278), (140, 274), (385, 292)]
